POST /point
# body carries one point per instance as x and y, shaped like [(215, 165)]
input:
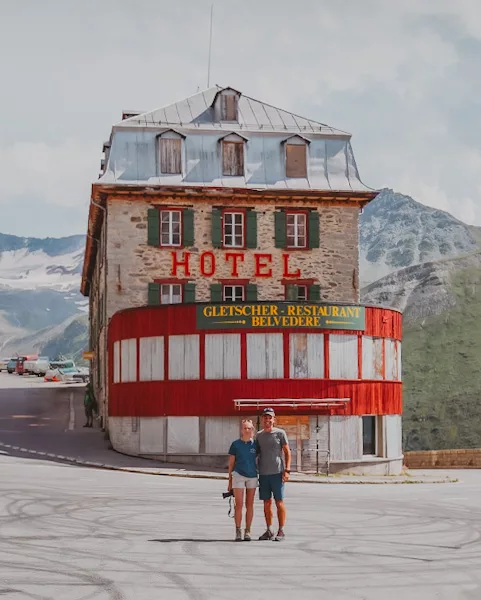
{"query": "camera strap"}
[(231, 508)]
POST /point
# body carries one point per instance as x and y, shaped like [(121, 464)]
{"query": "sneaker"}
[(267, 535), (280, 536), (247, 536), (238, 535)]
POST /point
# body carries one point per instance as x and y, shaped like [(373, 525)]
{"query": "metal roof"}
[(197, 112)]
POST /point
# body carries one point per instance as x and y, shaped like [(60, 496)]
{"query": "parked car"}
[(54, 372), (20, 368), (40, 366), (12, 366), (4, 363), (75, 375)]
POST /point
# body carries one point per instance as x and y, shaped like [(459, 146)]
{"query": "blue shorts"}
[(271, 485)]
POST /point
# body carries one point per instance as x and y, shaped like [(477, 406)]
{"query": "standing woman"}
[(243, 476)]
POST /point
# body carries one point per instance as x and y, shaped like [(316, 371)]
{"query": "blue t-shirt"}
[(245, 457)]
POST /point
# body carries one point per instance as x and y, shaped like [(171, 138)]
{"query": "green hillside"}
[(442, 372)]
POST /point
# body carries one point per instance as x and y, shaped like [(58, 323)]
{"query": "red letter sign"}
[(180, 263), (260, 264), (285, 259), (236, 256), (203, 270)]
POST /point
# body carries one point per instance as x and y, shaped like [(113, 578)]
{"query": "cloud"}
[(403, 77)]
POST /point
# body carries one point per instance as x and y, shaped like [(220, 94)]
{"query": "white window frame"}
[(234, 292), (297, 218), (169, 293), (233, 243), (170, 234)]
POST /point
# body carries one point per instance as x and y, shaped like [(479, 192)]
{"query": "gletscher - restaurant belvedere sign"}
[(280, 314)]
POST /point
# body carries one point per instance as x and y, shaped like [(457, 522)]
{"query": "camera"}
[(227, 494)]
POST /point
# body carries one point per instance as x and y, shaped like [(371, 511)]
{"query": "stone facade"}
[(133, 264)]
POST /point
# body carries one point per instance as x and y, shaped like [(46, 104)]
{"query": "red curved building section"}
[(135, 390)]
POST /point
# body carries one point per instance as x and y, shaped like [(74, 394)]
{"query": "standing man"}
[(274, 471)]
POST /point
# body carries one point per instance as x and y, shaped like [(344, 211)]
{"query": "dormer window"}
[(170, 153), (296, 156), (233, 154), (228, 104)]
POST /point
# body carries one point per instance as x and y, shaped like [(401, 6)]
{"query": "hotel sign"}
[(280, 314)]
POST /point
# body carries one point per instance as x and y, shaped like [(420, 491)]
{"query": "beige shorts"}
[(239, 481)]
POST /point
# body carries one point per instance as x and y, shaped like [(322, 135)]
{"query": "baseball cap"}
[(269, 411)]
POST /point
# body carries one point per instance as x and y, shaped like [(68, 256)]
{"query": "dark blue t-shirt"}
[(245, 457)]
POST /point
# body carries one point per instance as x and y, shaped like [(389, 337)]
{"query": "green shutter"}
[(188, 227), (216, 228), (291, 292), (251, 292), (280, 229), (189, 292), (216, 292), (313, 229), (314, 293), (154, 294), (251, 229), (153, 227)]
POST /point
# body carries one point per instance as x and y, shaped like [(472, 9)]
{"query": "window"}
[(296, 224), (170, 155), (296, 160), (170, 293), (232, 158), (233, 230), (228, 107), (296, 293), (170, 227), (233, 293), (369, 435)]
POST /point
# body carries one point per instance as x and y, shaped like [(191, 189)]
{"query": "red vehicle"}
[(20, 368)]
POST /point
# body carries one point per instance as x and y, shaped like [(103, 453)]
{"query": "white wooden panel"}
[(232, 356), (183, 435), (265, 356), (399, 361), (220, 432), (315, 355), (391, 357), (343, 357), (184, 357), (393, 432), (152, 438), (116, 362), (214, 356), (298, 366), (151, 358), (176, 357), (371, 358), (274, 356), (256, 356), (191, 357), (346, 438), (128, 351)]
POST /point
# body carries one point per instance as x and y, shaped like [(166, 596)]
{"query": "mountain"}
[(397, 232), (39, 289), (441, 304)]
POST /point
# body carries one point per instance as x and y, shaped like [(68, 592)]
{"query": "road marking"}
[(71, 423)]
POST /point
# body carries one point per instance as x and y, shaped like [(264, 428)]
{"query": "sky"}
[(404, 77)]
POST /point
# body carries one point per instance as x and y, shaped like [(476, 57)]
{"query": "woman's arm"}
[(231, 468)]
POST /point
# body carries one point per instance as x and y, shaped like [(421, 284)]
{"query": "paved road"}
[(74, 533)]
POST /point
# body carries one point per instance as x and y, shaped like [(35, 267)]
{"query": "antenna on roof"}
[(210, 44)]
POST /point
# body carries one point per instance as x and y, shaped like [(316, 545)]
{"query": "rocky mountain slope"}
[(398, 232)]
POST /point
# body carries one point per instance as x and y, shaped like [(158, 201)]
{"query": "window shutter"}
[(251, 292), (216, 228), (280, 229), (216, 292), (296, 160), (251, 229), (188, 227), (170, 156), (314, 293), (313, 229), (291, 292), (154, 294), (189, 293), (232, 158), (153, 227)]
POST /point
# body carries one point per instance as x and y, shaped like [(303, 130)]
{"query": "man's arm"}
[(287, 461), (231, 468)]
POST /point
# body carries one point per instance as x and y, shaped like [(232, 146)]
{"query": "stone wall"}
[(133, 264), (443, 459)]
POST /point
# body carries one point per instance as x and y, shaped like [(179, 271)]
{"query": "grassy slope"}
[(442, 373)]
